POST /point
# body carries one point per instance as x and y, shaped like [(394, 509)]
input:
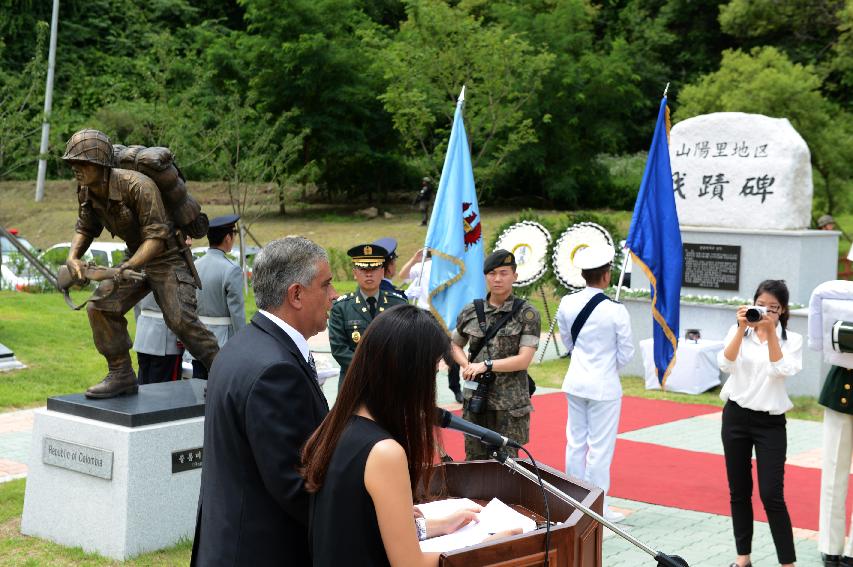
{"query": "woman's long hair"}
[(392, 375), (779, 290)]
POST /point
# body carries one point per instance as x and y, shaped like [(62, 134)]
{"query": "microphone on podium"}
[(445, 419)]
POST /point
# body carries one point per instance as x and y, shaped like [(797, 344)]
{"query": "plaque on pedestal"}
[(119, 476)]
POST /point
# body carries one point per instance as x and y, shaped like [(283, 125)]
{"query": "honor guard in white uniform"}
[(597, 333), (221, 305), (158, 352), (836, 396)]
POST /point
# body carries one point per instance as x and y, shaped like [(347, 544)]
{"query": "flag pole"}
[(627, 254), (665, 90)]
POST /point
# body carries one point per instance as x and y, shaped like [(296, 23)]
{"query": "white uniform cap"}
[(591, 257)]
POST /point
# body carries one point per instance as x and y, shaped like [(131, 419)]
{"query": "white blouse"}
[(756, 383)]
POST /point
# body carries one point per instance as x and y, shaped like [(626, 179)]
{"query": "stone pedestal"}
[(8, 360), (803, 258), (117, 477)]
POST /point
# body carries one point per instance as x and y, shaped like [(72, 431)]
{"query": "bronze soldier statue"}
[(129, 205)]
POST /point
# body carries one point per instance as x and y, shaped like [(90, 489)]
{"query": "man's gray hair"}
[(282, 263)]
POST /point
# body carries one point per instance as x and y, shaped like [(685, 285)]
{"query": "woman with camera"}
[(375, 449), (760, 353)]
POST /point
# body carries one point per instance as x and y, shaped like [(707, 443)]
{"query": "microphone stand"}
[(664, 560)]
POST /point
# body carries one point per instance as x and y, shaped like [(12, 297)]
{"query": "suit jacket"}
[(349, 319), (262, 405)]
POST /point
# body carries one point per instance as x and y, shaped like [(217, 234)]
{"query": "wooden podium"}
[(576, 542)]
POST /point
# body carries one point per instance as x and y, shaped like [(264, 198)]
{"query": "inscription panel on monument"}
[(711, 266), (78, 458), (187, 459)]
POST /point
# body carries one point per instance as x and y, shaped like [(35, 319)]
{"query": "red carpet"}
[(646, 472)]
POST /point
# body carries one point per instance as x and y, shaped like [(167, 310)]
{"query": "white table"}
[(695, 370)]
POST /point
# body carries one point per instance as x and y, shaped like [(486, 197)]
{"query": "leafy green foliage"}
[(353, 99), (438, 50)]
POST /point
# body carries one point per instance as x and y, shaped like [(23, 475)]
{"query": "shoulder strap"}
[(580, 321), (493, 330)]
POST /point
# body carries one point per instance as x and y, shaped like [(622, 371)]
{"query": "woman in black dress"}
[(375, 447)]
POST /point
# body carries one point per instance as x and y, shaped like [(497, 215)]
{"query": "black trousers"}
[(199, 370), (742, 430), (153, 368)]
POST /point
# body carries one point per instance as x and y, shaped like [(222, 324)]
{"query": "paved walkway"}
[(702, 539)]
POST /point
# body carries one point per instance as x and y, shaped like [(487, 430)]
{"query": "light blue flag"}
[(454, 235), (655, 243)]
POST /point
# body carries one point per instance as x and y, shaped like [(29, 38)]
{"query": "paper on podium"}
[(495, 517)]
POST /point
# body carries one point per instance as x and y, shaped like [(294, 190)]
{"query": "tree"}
[(21, 113), (765, 81), (439, 49), (309, 61)]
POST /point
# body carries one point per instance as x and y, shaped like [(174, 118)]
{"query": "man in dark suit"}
[(263, 402)]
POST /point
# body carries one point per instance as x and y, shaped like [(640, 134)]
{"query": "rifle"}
[(92, 273)]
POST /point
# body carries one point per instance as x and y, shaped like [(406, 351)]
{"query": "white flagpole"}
[(627, 253)]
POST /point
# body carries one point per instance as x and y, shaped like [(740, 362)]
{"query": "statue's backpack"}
[(159, 164)]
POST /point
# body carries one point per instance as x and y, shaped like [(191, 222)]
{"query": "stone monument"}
[(743, 188), (120, 476)]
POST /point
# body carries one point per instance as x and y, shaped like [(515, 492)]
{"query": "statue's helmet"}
[(91, 146)]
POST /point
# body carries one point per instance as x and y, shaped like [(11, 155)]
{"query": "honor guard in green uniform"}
[(352, 313)]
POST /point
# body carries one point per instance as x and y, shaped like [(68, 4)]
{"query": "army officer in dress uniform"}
[(353, 312), (221, 306)]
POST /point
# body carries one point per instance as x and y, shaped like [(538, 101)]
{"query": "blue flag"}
[(655, 243), (454, 235)]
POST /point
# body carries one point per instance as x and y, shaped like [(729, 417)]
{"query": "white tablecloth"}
[(695, 370)]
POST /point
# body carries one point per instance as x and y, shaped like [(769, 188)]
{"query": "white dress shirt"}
[(756, 383), (297, 337), (604, 346)]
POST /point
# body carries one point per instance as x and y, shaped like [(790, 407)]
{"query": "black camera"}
[(477, 403), (842, 336), (755, 313)]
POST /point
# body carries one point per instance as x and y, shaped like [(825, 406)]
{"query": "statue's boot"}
[(120, 379)]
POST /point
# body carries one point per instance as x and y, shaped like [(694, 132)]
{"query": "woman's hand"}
[(503, 534), (768, 322), (452, 522), (742, 323), (474, 369)]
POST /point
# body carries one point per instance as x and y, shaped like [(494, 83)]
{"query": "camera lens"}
[(754, 314)]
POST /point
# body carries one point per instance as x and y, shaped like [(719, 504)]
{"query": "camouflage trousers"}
[(174, 290), (514, 424)]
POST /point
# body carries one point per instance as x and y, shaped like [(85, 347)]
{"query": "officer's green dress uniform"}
[(351, 313), (508, 407)]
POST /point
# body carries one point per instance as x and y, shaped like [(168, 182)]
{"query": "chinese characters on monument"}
[(736, 170)]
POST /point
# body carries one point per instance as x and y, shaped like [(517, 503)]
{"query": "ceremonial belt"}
[(204, 319)]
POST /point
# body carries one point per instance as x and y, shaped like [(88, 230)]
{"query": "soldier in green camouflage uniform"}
[(352, 313), (508, 354)]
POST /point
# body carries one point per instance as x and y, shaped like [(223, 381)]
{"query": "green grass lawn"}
[(20, 550)]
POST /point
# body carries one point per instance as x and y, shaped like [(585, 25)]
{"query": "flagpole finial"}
[(665, 90), (462, 95)]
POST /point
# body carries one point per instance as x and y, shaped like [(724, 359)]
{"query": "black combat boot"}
[(120, 379)]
